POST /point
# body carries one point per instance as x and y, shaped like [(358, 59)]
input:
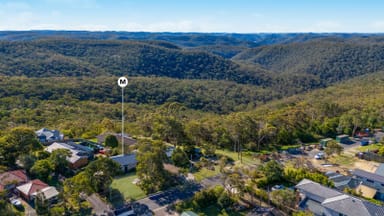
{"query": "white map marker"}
[(122, 82)]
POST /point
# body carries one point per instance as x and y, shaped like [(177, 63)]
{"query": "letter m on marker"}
[(123, 81)]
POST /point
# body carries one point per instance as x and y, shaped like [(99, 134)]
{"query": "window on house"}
[(369, 180)]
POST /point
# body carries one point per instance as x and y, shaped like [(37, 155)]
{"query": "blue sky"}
[(242, 16)]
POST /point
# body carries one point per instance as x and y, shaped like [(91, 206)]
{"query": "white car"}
[(16, 202), (277, 187), (319, 156)]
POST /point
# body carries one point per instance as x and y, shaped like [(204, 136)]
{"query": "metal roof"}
[(337, 202), (380, 170), (318, 192), (347, 205), (369, 175), (126, 159)]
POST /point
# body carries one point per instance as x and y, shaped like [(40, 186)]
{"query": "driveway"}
[(212, 181), (379, 136), (98, 205), (29, 211), (159, 202)]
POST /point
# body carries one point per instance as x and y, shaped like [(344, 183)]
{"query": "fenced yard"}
[(124, 184)]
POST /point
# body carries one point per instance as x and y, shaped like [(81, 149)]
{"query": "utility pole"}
[(122, 82)]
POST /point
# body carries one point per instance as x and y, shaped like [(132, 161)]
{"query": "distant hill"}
[(91, 58), (329, 59), (278, 65), (42, 58), (342, 108), (182, 39)]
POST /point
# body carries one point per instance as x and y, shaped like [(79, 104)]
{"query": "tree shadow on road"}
[(116, 198)]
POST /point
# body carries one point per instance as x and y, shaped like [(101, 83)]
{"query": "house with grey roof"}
[(127, 161), (79, 156), (341, 181), (380, 170), (324, 201), (372, 180), (45, 135)]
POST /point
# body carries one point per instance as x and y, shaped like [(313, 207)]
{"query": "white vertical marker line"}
[(122, 82), (122, 121)]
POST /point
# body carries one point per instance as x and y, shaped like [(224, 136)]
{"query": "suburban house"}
[(371, 180), (344, 139), (127, 161), (9, 180), (85, 150), (323, 201), (45, 135), (30, 190), (80, 154), (128, 140), (325, 141), (341, 181)]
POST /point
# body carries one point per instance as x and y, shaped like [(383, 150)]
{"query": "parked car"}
[(320, 156), (278, 187), (15, 201), (364, 142)]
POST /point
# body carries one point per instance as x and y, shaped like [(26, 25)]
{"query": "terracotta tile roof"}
[(32, 187), (17, 176)]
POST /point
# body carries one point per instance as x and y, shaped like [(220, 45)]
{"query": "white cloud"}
[(18, 21), (256, 15), (183, 25), (177, 26), (327, 25), (378, 26), (23, 15)]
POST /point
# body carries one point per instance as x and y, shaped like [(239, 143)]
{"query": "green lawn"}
[(93, 140), (342, 159), (247, 158), (370, 147), (206, 173), (127, 188), (286, 147)]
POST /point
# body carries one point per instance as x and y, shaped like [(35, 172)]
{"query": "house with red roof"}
[(30, 190), (9, 180)]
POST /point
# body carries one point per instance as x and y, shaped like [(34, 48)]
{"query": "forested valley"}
[(208, 97)]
